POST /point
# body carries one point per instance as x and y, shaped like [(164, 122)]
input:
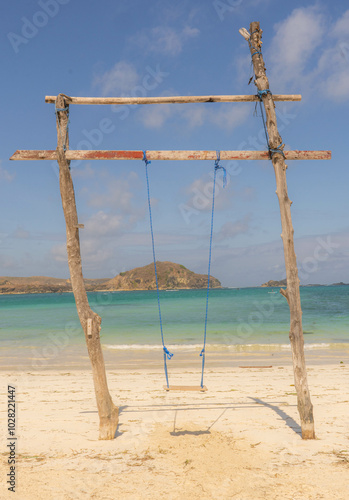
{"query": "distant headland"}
[(170, 276), (281, 283)]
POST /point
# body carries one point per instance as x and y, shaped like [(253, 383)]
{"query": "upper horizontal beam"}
[(166, 155), (170, 100)]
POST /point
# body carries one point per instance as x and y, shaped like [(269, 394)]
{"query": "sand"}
[(240, 440)]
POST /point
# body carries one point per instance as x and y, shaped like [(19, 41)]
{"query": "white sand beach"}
[(241, 439)]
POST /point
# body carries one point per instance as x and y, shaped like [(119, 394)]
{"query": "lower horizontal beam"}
[(166, 155)]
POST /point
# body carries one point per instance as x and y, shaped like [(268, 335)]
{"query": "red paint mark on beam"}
[(107, 155)]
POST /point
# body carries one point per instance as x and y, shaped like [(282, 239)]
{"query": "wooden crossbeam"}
[(29, 154), (169, 99), (186, 388)]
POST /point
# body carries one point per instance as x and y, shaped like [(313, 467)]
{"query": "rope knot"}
[(217, 166), (278, 149), (261, 93), (167, 353), (145, 159)]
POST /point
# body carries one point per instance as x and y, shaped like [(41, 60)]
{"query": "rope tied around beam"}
[(59, 110), (278, 149), (145, 159), (218, 166), (257, 52), (261, 93)]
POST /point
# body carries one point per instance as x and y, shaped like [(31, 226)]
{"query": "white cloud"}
[(310, 52), (20, 233), (59, 252), (229, 117), (320, 258), (95, 254), (336, 85), (165, 40), (232, 229), (195, 115), (155, 116), (104, 224), (296, 40), (122, 78), (341, 27), (85, 172), (200, 195), (333, 71), (5, 174), (115, 193)]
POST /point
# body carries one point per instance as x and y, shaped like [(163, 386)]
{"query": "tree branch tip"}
[(243, 32)]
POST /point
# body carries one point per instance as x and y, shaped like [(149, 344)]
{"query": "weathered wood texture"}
[(90, 321), (291, 293), (184, 388), (170, 100), (166, 155)]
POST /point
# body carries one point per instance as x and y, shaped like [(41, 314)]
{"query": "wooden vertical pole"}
[(291, 293), (90, 321)]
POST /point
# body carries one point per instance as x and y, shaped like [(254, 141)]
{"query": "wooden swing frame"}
[(90, 321)]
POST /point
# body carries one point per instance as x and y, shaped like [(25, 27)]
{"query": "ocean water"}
[(237, 318)]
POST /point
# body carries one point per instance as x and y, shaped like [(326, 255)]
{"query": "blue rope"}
[(276, 150), (264, 124), (167, 353), (252, 47), (261, 93), (59, 126), (257, 51), (217, 166)]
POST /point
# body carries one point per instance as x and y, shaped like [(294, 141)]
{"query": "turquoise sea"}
[(236, 318)]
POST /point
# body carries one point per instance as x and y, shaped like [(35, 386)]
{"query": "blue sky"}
[(130, 47)]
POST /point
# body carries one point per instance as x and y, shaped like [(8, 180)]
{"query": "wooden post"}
[(291, 293), (90, 321)]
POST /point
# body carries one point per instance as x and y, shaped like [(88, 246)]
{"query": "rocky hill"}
[(170, 276), (42, 284), (275, 283)]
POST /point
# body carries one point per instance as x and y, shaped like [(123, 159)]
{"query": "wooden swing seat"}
[(185, 388)]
